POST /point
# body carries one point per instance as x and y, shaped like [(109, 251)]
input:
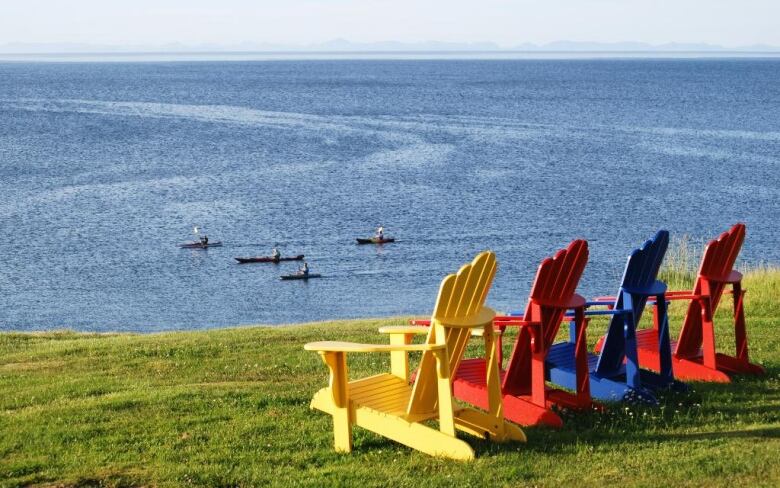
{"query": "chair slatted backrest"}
[(461, 296), (553, 289), (716, 265), (644, 263), (721, 254), (640, 274)]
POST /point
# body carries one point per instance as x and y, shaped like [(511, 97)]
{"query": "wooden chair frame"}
[(388, 405)]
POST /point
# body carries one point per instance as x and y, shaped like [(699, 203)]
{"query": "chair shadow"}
[(769, 432), (619, 424), (699, 406)]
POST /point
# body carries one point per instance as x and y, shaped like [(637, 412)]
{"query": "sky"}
[(730, 23)]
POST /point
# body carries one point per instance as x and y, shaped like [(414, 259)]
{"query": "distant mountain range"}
[(343, 45)]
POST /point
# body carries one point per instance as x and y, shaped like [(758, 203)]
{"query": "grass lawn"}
[(230, 408)]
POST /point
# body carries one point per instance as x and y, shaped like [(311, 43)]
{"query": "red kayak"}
[(268, 259)]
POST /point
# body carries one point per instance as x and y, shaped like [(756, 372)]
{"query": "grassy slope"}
[(230, 407)]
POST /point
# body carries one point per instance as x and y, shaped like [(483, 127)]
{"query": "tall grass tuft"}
[(681, 265), (681, 262), (762, 283)]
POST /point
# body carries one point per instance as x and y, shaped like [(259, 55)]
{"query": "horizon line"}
[(398, 51), (340, 45)]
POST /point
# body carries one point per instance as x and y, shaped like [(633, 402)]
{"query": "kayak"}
[(300, 276), (198, 245), (374, 240), (268, 259)]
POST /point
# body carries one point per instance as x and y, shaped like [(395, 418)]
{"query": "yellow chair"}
[(388, 405)]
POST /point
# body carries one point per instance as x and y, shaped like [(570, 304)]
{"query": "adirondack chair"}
[(527, 400), (694, 356), (392, 407), (615, 373)]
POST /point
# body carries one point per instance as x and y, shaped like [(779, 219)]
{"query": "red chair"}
[(694, 356), (527, 399)]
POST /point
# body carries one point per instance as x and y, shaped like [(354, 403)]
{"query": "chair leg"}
[(657, 316), (399, 360), (629, 335), (708, 334), (581, 359), (493, 383), (339, 387), (661, 317), (538, 387), (446, 406), (740, 334)]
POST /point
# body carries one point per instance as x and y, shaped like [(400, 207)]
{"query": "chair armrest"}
[(506, 320), (480, 332), (404, 329), (600, 302), (605, 298), (681, 295), (419, 329), (594, 313), (339, 346), (669, 295), (425, 322), (481, 318), (534, 328)]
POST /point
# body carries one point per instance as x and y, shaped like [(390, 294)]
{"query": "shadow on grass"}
[(704, 407), (769, 432)]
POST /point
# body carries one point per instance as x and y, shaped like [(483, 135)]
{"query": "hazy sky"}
[(506, 22)]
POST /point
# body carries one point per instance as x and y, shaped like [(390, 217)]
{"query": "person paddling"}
[(380, 233), (304, 269), (276, 254), (204, 239)]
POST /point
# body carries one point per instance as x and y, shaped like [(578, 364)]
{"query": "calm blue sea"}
[(105, 167)]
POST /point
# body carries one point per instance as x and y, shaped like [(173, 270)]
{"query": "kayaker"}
[(204, 241), (380, 233), (276, 254), (304, 269)]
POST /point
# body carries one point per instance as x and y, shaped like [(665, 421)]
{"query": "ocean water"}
[(106, 167)]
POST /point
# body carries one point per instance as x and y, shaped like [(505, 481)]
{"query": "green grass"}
[(230, 408)]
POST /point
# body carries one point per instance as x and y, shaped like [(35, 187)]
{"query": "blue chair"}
[(614, 372)]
